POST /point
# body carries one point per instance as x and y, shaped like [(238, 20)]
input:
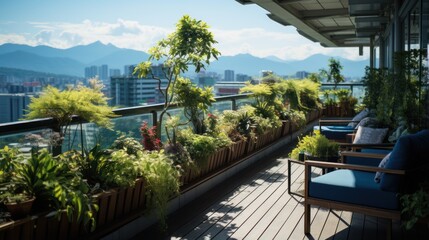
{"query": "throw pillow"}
[(366, 135), (367, 122), (383, 163), (359, 117)]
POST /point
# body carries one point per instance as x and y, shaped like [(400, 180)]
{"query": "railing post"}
[(234, 104), (154, 117)]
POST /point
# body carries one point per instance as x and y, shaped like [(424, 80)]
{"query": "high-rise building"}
[(229, 76), (115, 72), (302, 74), (242, 77), (91, 72), (131, 91), (12, 107), (128, 70), (103, 71)]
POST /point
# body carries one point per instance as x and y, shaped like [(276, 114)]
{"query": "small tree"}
[(195, 101), (334, 72), (190, 45), (89, 103)]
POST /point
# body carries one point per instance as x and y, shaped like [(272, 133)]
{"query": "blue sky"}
[(139, 24)]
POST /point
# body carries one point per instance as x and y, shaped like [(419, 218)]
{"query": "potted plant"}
[(17, 204), (316, 147), (14, 194), (89, 103)]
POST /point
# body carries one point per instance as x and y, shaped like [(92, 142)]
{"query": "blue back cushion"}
[(409, 152), (367, 161)]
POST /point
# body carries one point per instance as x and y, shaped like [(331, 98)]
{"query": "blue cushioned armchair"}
[(352, 187), (337, 132)]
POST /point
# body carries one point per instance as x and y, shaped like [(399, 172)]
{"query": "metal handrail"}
[(38, 124)]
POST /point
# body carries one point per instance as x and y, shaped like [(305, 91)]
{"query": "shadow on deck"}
[(255, 204)]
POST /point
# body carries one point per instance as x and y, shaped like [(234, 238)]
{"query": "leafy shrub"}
[(316, 145), (161, 178)]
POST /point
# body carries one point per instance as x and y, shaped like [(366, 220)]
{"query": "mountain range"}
[(72, 61)]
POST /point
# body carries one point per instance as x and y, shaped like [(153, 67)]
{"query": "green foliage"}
[(333, 74), (109, 168), (200, 147), (54, 183), (315, 77), (374, 82), (236, 124), (129, 144), (7, 158), (190, 45), (161, 178), (399, 96), (89, 103), (316, 145), (309, 94), (329, 97), (195, 102), (267, 103), (414, 207), (296, 117)]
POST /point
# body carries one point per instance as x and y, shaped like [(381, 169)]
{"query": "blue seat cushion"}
[(409, 152), (335, 132), (355, 187), (367, 161)]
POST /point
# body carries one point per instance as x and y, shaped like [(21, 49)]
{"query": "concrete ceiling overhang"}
[(332, 23)]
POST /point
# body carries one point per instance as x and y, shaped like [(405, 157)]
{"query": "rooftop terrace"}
[(255, 204)]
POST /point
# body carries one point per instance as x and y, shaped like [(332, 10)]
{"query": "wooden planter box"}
[(237, 151), (276, 133), (113, 205), (263, 140), (285, 127)]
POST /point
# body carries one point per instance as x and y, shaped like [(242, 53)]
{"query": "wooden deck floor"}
[(256, 205)]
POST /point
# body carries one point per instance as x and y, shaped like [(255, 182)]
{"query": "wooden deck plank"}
[(261, 227), (231, 208), (356, 226), (370, 228), (249, 205), (343, 226), (331, 224), (251, 223)]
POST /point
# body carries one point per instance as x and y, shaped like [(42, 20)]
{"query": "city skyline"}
[(139, 25)]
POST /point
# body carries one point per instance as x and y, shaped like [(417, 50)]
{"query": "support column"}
[(371, 52)]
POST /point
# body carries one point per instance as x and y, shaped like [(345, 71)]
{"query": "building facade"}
[(229, 76), (129, 91), (13, 106)]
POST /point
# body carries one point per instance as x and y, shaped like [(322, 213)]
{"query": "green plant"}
[(415, 206), (296, 117), (201, 146), (190, 45), (315, 145), (334, 72), (161, 177), (56, 185), (266, 102), (308, 94), (89, 103), (195, 102), (236, 124), (131, 145), (7, 158)]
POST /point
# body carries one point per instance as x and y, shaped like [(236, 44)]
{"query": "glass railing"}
[(26, 135), (357, 89)]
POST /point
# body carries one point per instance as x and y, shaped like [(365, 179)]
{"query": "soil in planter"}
[(21, 209)]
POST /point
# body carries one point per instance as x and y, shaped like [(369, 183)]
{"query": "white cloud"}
[(134, 35)]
